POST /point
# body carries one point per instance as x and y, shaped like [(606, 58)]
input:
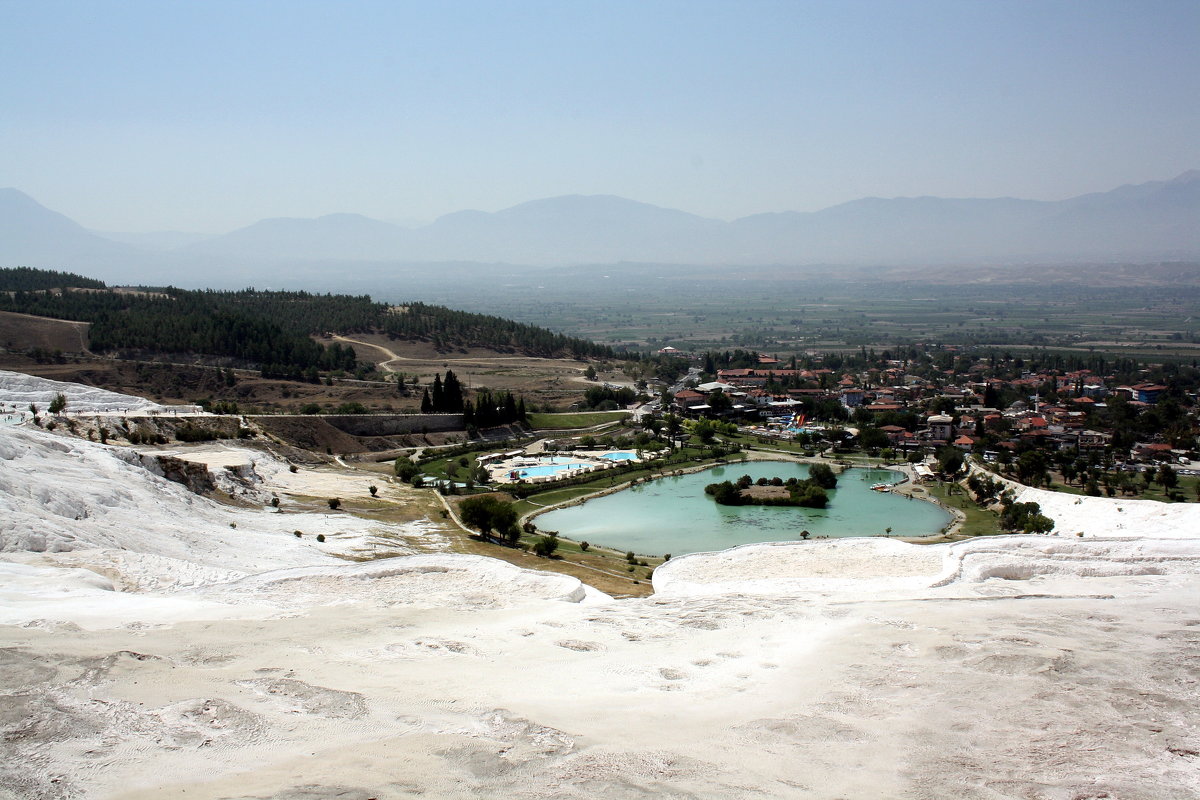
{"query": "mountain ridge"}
[(1150, 221)]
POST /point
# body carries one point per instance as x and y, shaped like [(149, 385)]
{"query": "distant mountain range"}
[(1156, 221)]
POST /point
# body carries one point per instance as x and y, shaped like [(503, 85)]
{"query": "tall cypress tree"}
[(438, 395), (452, 393)]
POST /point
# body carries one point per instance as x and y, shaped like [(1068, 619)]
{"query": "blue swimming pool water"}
[(619, 455), (550, 469)]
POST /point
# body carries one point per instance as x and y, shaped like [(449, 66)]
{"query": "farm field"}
[(817, 312)]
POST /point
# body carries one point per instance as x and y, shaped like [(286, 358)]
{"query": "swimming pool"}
[(551, 469), (619, 455)]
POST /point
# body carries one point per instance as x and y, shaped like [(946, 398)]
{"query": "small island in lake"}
[(808, 492)]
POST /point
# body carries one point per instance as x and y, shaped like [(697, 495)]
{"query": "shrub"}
[(822, 475), (405, 470), (583, 546), (725, 493), (320, 537), (1025, 518), (58, 403), (487, 514), (373, 489), (194, 433), (334, 503), (275, 502), (545, 546), (297, 534)]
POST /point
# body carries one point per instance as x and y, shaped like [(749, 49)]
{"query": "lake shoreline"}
[(904, 488)]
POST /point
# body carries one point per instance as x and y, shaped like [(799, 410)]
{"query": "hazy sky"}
[(207, 116)]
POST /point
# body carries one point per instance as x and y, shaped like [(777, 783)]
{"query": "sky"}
[(208, 116)]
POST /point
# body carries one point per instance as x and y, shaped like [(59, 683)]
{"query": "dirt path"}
[(384, 365), (477, 361)]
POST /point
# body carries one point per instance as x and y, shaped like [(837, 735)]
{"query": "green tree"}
[(58, 403), (822, 475), (1167, 477), (1025, 518), (546, 545), (1033, 468), (719, 402), (674, 426), (950, 460), (406, 470), (488, 514)]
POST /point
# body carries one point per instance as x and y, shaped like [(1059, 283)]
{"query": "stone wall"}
[(387, 424)]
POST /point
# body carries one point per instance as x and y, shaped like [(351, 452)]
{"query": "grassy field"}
[(1189, 486), (979, 521), (562, 422)]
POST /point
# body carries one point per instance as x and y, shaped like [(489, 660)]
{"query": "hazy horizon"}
[(142, 116)]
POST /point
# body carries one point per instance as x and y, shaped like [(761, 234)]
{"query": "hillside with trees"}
[(269, 330)]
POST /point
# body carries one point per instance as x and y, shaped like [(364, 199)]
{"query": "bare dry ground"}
[(545, 380), (541, 381), (25, 332), (181, 383)]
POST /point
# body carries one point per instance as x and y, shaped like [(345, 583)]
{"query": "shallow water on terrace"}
[(673, 515)]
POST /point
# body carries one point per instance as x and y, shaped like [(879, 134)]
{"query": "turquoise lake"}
[(673, 515)]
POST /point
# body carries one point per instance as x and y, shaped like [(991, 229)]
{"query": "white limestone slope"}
[(1115, 516), (19, 390), (149, 650), (59, 494)]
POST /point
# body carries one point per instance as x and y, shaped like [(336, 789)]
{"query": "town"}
[(1091, 423)]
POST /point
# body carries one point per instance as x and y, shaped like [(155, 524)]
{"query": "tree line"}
[(268, 329), (28, 279)]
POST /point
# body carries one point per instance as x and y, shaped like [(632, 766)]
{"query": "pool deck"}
[(500, 472)]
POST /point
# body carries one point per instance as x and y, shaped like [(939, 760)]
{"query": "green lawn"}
[(588, 419), (979, 521), (1187, 487)]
